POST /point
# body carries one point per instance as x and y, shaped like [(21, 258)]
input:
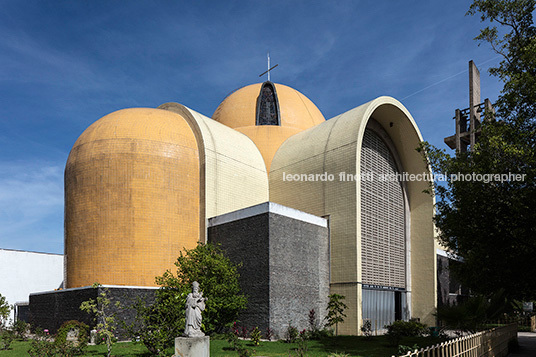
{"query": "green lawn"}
[(354, 346)]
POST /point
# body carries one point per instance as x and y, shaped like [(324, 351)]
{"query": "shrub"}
[(313, 323), (405, 349), (20, 329), (367, 329), (269, 334), (239, 331), (81, 331), (255, 336), (291, 334), (237, 345), (233, 341), (6, 338), (301, 351), (244, 352), (42, 345), (157, 325), (315, 331), (399, 329), (325, 332)]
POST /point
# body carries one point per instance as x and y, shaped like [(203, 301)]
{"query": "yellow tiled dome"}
[(295, 113), (132, 198)]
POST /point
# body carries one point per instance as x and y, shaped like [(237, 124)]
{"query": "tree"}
[(5, 310), (488, 220), (517, 46), (218, 280), (100, 308), (157, 325), (472, 315), (335, 311)]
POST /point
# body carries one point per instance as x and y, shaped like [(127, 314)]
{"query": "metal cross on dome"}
[(269, 69)]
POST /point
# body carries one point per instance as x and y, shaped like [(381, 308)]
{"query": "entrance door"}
[(383, 307)]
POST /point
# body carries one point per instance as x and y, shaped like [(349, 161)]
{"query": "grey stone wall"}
[(246, 242), (49, 310), (299, 272), (284, 272)]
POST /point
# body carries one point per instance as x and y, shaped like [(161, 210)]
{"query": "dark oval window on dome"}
[(267, 105)]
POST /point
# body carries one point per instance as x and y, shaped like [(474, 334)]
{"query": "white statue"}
[(195, 303)]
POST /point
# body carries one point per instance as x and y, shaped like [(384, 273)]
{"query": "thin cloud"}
[(30, 194)]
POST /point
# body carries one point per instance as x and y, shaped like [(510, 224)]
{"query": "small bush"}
[(399, 329), (20, 329), (316, 332), (291, 334), (313, 323), (405, 349), (237, 345), (301, 351), (81, 332), (43, 345), (367, 329), (269, 334), (244, 352), (6, 338), (240, 331), (320, 334), (233, 341), (255, 336)]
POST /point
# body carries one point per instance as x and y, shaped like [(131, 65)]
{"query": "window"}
[(267, 106)]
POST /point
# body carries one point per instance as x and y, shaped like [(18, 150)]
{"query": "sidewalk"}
[(527, 345)]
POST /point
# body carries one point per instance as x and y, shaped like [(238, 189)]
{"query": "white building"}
[(23, 272)]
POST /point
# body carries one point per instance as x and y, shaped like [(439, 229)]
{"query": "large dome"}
[(132, 198), (268, 113)]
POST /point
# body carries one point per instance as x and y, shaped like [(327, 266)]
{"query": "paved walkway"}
[(527, 345)]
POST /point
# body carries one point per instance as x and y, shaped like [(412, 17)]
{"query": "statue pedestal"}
[(192, 346)]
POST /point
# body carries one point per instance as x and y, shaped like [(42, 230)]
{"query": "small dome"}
[(240, 107), (268, 113)]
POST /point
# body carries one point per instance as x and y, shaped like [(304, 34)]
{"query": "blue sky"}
[(65, 64)]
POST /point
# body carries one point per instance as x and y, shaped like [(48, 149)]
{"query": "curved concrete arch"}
[(334, 148), (233, 172)]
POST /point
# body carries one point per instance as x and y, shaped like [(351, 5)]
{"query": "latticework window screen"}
[(383, 247)]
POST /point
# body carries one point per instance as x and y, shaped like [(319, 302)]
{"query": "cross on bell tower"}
[(468, 120)]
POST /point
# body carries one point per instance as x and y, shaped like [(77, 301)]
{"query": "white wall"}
[(22, 273)]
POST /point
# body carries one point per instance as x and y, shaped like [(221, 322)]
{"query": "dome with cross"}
[(268, 113)]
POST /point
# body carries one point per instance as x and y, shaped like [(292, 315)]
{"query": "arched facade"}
[(335, 147)]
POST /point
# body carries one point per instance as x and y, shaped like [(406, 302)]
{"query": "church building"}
[(142, 184)]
